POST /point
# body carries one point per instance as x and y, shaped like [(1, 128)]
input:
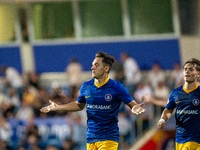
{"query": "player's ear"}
[(107, 69), (198, 74)]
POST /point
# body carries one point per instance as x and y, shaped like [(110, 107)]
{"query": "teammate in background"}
[(186, 100), (102, 97)]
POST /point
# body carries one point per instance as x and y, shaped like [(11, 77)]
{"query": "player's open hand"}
[(137, 109), (52, 107)]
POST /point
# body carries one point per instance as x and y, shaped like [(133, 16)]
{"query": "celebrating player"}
[(102, 97), (186, 100)]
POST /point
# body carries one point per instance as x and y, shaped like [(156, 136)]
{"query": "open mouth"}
[(187, 76)]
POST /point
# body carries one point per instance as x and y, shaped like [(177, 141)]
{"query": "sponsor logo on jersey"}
[(189, 112), (108, 97), (195, 102), (101, 107), (178, 102)]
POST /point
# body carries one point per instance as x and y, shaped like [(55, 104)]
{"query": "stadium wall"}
[(55, 58), (11, 56)]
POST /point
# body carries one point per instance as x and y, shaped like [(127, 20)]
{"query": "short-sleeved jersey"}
[(187, 115), (102, 106)]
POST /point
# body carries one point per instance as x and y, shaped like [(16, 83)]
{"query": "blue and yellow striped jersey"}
[(102, 106), (187, 115)]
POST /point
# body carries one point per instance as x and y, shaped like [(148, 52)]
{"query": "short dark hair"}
[(195, 62), (107, 59)]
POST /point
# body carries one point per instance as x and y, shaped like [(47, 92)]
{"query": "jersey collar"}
[(101, 84), (188, 91)]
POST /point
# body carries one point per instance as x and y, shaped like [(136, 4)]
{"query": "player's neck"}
[(189, 86), (101, 80)]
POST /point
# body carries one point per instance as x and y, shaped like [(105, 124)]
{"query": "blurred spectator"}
[(56, 91), (119, 72), (43, 95), (32, 142), (25, 112), (13, 78), (74, 73), (73, 93), (57, 94), (29, 95), (124, 130), (30, 129), (51, 147), (24, 27), (155, 75), (11, 103), (159, 102), (142, 90), (3, 145), (2, 100), (36, 108), (67, 144), (32, 79), (176, 77), (161, 91), (5, 131), (79, 132), (132, 72)]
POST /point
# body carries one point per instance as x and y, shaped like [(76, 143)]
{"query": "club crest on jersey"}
[(108, 97), (195, 102)]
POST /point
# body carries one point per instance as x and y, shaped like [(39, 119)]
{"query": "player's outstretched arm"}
[(164, 117), (70, 107), (136, 108)]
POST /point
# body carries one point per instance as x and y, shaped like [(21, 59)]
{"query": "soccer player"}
[(102, 97), (186, 100)]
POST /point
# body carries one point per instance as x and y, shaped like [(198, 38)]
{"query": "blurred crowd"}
[(22, 96)]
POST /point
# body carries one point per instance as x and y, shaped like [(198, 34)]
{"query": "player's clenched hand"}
[(137, 109), (52, 107), (161, 124)]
